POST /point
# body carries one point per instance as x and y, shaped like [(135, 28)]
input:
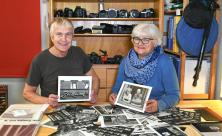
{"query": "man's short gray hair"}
[(59, 22)]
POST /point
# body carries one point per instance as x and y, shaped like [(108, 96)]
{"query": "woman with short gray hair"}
[(146, 64)]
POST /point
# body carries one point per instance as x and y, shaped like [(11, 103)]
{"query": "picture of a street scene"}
[(74, 89)]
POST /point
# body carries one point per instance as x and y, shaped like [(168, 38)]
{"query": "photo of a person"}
[(127, 95), (133, 96), (137, 97)]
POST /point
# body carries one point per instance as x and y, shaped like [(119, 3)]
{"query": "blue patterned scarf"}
[(141, 70)]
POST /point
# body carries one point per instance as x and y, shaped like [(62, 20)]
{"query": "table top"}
[(213, 106)]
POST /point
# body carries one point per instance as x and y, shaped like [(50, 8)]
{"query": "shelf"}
[(113, 19), (105, 66), (102, 35)]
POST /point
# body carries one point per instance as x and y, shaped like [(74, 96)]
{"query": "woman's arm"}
[(118, 83), (170, 83), (120, 78)]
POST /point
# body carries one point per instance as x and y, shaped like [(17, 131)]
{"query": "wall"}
[(15, 85)]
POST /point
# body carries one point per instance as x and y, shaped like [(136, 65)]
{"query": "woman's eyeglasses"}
[(137, 40)]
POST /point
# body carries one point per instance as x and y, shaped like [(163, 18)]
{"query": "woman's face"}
[(143, 45)]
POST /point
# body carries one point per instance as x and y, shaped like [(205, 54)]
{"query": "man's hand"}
[(93, 97), (53, 100), (152, 106), (112, 98)]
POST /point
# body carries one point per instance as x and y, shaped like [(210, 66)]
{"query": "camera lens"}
[(134, 13)]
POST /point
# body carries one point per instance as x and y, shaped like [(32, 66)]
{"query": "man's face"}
[(62, 38)]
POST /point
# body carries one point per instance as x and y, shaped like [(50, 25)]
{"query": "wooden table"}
[(213, 106)]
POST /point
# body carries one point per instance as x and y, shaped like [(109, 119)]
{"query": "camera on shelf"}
[(93, 15), (114, 60), (59, 13), (81, 30), (108, 28), (95, 58), (147, 13), (79, 12), (112, 13), (124, 29), (103, 59), (116, 29), (68, 12), (134, 13), (97, 29), (103, 14), (123, 13)]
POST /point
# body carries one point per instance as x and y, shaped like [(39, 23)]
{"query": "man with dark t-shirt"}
[(61, 59)]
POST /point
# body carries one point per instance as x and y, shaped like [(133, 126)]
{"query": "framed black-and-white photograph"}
[(74, 88), (133, 96)]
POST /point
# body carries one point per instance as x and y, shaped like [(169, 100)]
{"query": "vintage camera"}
[(81, 30), (97, 29), (78, 30), (103, 14), (147, 13), (68, 12), (134, 13), (95, 58), (114, 60), (93, 15), (118, 59), (123, 13), (108, 28), (112, 13), (124, 29), (59, 13), (79, 12)]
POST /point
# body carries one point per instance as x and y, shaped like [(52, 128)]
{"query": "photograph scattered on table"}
[(118, 120), (132, 114), (103, 109), (133, 96), (169, 130), (74, 88)]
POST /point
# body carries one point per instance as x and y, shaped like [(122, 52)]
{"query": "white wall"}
[(15, 86)]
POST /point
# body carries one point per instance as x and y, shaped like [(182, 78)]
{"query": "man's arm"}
[(95, 81), (30, 94)]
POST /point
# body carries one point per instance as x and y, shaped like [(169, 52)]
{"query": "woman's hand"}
[(112, 98), (152, 106), (53, 100)]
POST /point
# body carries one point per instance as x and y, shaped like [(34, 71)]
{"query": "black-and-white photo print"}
[(74, 88), (133, 96), (168, 130), (103, 109), (118, 120)]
